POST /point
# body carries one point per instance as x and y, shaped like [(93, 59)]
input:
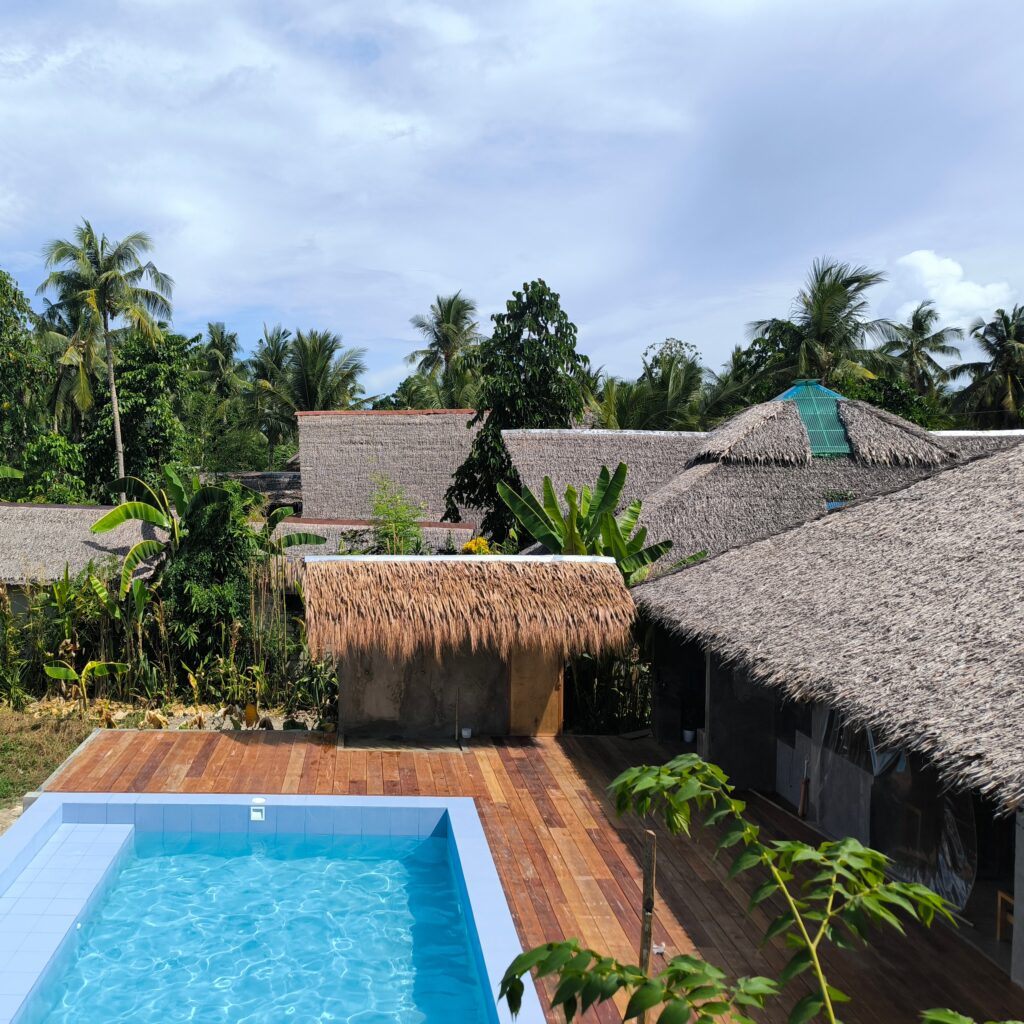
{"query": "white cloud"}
[(924, 274)]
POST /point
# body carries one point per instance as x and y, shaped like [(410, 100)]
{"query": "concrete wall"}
[(420, 699), (344, 453)]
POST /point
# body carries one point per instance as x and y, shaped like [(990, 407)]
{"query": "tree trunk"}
[(114, 408)]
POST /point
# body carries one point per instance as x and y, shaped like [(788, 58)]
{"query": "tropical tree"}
[(457, 386), (915, 344), (266, 370), (106, 282), (25, 373), (531, 376), (448, 329), (995, 394), (828, 331), (79, 360), (220, 370), (588, 525), (320, 374), (666, 395)]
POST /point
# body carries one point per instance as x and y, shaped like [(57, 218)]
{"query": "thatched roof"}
[(38, 541), (768, 433), (881, 438), (345, 454), (904, 611), (402, 606), (575, 457)]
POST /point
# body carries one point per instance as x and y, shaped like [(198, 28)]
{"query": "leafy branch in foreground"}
[(831, 894), (688, 988)]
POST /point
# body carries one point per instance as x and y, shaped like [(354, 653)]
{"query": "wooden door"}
[(535, 694)]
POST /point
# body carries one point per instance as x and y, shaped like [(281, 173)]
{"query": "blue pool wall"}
[(489, 920)]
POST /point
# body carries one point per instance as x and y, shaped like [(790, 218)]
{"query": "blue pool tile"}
[(234, 818), (288, 819), (149, 817), (53, 924), (121, 814), (65, 906), (376, 821), (76, 890), (9, 941), (30, 960), (16, 983), (177, 818), (319, 821), (405, 821), (85, 814), (30, 905), (348, 821), (432, 822), (205, 818), (9, 1005)]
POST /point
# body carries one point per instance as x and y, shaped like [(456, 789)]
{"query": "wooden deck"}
[(568, 865)]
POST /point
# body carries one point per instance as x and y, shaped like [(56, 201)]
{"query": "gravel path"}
[(8, 816)]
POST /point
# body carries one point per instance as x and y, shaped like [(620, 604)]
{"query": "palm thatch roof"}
[(904, 612), (768, 433), (37, 542), (404, 606), (575, 457), (881, 438)]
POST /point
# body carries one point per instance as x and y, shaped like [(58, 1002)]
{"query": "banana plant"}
[(588, 525), (65, 671), (277, 545), (168, 509), (10, 473)]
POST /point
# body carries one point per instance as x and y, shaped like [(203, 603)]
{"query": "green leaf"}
[(748, 859), (533, 518), (676, 1012), (10, 473), (806, 1009), (131, 510), (797, 965), (290, 540), (138, 554), (761, 893), (647, 995), (61, 672), (939, 1016)]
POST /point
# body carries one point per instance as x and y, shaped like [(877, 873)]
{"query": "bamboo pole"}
[(647, 907)]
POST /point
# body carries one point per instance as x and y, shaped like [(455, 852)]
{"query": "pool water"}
[(232, 929)]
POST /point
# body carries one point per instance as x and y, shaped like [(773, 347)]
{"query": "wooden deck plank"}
[(568, 864)]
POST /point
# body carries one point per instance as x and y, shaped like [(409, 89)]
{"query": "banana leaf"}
[(532, 515), (138, 510), (135, 557)]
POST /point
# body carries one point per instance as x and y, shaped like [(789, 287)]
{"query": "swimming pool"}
[(234, 908)]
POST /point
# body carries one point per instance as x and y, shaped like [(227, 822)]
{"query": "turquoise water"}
[(224, 929)]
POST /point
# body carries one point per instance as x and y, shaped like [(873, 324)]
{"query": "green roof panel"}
[(819, 409)]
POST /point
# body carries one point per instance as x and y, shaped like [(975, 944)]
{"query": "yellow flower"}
[(476, 546)]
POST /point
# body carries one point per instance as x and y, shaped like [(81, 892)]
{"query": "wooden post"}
[(647, 907)]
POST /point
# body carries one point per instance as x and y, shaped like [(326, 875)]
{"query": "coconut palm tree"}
[(827, 333), (915, 344), (664, 397), (995, 395), (104, 282), (79, 357), (270, 414), (218, 358), (448, 328), (455, 387), (319, 374)]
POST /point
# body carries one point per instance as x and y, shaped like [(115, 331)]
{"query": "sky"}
[(670, 168)]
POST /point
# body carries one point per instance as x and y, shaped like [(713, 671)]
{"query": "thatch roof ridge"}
[(405, 605), (771, 432), (882, 438), (903, 611)]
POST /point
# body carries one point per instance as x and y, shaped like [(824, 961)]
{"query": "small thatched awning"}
[(402, 606)]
